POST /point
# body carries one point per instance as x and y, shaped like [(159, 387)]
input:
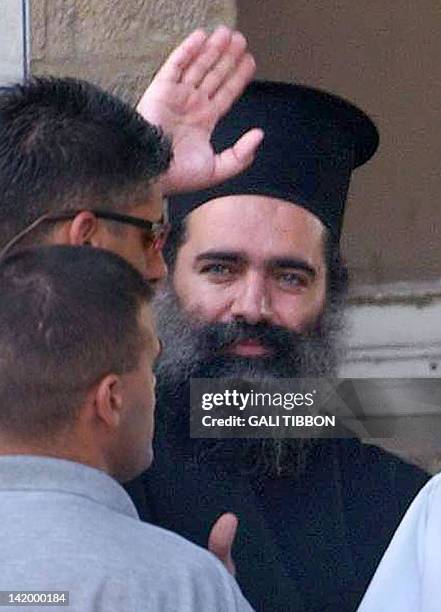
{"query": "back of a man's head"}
[(68, 317), (65, 143)]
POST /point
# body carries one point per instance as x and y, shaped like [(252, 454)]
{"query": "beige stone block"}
[(118, 45), (125, 78), (38, 28), (53, 25), (221, 11), (112, 27)]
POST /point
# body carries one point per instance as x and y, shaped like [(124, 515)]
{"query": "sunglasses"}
[(157, 232)]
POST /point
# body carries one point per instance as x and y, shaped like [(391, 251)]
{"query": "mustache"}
[(217, 336)]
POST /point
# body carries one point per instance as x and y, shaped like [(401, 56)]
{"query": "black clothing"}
[(305, 544)]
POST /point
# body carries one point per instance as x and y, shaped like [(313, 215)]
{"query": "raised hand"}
[(193, 89)]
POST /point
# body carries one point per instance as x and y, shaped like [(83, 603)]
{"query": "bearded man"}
[(256, 289)]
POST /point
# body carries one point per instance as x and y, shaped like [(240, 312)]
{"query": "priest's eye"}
[(217, 271), (291, 279)]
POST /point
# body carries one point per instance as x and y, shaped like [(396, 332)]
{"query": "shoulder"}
[(122, 539), (369, 461), (428, 501), (433, 489), (158, 564), (192, 573), (403, 477), (372, 479), (408, 577)]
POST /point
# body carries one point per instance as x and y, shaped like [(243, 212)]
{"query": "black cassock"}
[(305, 544)]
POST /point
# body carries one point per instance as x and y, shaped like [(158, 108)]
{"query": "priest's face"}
[(248, 294), (252, 259), (248, 298)]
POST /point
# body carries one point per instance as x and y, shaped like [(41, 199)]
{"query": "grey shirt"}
[(65, 526)]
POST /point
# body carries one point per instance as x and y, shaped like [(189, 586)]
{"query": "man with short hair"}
[(77, 415), (256, 291), (78, 166)]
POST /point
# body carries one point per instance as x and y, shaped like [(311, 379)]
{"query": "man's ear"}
[(109, 401), (83, 229)]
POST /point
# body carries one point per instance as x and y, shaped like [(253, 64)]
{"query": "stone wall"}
[(117, 44)]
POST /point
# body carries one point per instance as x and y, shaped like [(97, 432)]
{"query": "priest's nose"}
[(252, 303)]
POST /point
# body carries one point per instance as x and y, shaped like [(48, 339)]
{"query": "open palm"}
[(194, 88)]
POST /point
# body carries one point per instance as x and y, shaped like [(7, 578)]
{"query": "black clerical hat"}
[(313, 141)]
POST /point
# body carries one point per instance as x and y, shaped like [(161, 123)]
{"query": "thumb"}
[(221, 539), (237, 158)]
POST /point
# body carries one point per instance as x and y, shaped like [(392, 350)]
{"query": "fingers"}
[(208, 55), (171, 72), (221, 539), (233, 86), (237, 158), (226, 63), (182, 57)]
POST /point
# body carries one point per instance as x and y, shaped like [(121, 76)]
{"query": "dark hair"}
[(337, 271), (66, 143), (68, 316)]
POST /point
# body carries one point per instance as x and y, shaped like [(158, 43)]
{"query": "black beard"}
[(194, 349)]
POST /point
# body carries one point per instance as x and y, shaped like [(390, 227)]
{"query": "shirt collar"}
[(30, 473)]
